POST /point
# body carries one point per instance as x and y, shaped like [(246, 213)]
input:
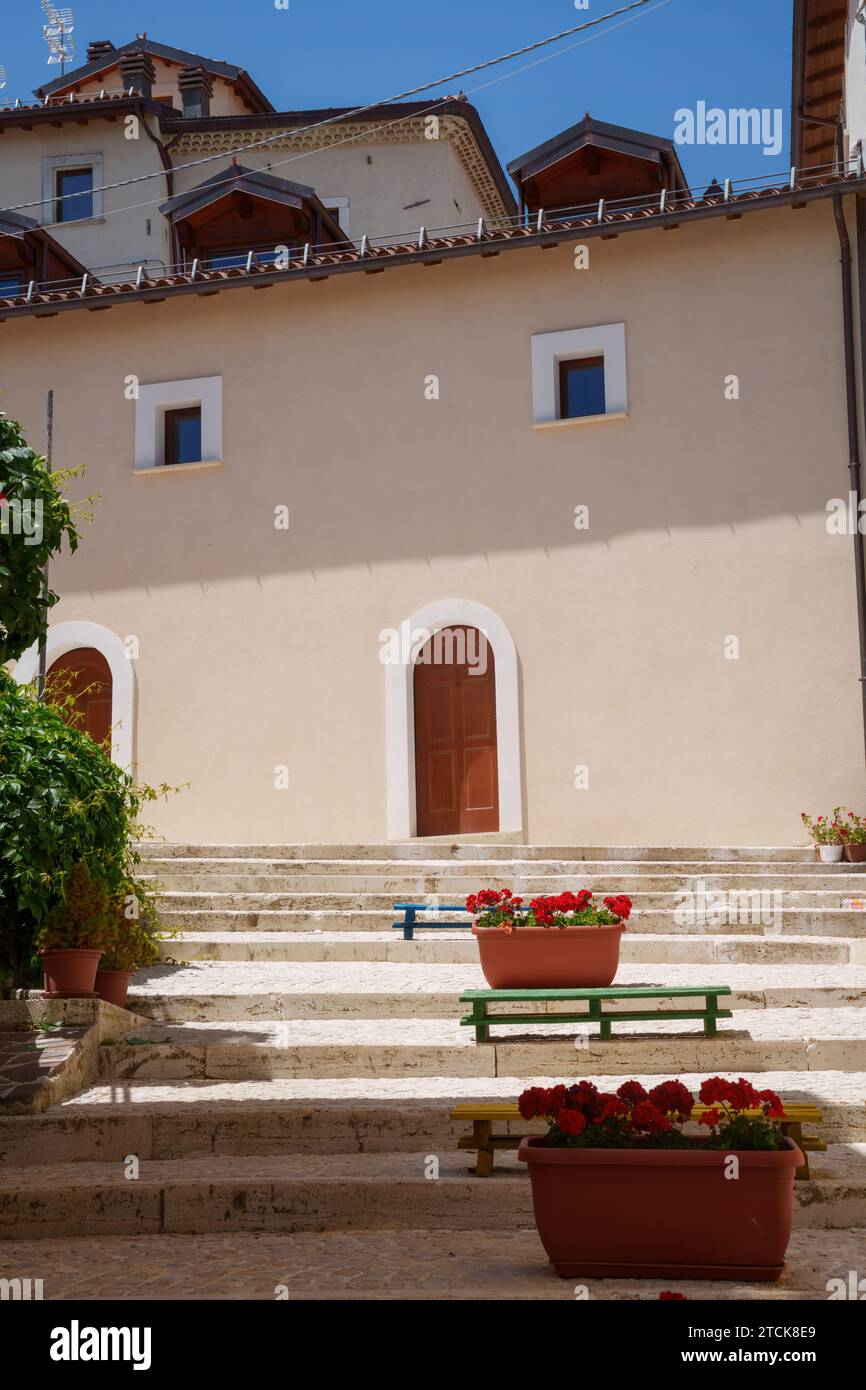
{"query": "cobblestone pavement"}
[(376, 1265)]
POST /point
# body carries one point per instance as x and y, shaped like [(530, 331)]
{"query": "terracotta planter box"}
[(855, 854), (651, 1213), (549, 957), (70, 974), (112, 985)]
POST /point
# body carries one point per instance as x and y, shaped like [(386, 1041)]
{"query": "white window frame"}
[(341, 205), (549, 349), (150, 407), (51, 164)]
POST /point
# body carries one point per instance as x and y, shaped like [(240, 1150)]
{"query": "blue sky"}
[(727, 53)]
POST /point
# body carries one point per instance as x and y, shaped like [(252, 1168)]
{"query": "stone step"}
[(391, 880), (332, 1192), (208, 991), (755, 899), (756, 1040), (459, 947), (200, 1118), (479, 849), (392, 1265), (849, 922)]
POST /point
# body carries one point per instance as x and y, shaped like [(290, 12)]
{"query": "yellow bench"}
[(486, 1142)]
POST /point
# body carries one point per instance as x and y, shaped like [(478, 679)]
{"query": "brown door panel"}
[(456, 764)]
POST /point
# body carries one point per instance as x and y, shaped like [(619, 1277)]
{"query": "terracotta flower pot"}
[(650, 1213), (70, 973), (549, 957), (111, 985), (855, 854)]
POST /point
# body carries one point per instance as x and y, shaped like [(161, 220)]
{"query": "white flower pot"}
[(830, 854)]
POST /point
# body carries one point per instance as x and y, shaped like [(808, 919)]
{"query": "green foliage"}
[(62, 803), (131, 932), (80, 921), (30, 490)]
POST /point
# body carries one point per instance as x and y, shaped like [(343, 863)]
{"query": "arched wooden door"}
[(85, 674), (456, 763)]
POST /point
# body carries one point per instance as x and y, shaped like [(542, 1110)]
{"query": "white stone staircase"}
[(294, 1079)]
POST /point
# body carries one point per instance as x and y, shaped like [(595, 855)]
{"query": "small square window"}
[(183, 435), (581, 387), (74, 194)]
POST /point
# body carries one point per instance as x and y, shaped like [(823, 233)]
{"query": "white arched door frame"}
[(400, 713), (68, 637)]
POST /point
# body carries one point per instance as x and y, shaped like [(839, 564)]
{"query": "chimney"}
[(137, 71), (100, 48), (196, 90)]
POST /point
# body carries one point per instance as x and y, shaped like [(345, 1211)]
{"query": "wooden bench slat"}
[(469, 996), (509, 1110)]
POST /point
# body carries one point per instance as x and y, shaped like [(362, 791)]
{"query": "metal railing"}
[(275, 258)]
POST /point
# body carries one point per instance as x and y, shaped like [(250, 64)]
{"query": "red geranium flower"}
[(672, 1098), (571, 1121), (710, 1118), (620, 906), (631, 1092), (647, 1116), (667, 1294)]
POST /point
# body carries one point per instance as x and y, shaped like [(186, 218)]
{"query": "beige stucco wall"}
[(707, 520), (381, 180), (224, 101), (121, 235)]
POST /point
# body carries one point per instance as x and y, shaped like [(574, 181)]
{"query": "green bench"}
[(595, 999)]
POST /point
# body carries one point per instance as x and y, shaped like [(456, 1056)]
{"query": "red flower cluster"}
[(737, 1095), (502, 909), (633, 1116)]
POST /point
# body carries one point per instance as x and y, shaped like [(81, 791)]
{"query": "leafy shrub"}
[(28, 490), (81, 919), (62, 803)]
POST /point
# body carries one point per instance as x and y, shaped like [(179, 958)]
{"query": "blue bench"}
[(410, 923)]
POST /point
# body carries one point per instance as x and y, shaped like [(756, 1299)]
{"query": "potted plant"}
[(69, 942), (563, 941), (827, 835), (853, 836), (129, 944), (621, 1190)]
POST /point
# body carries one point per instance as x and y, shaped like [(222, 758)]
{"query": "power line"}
[(343, 116)]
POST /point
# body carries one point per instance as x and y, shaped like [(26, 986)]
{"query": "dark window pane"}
[(10, 284), (228, 262), (74, 194), (581, 388), (183, 435)]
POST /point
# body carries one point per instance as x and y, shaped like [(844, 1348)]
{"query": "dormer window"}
[(73, 194)]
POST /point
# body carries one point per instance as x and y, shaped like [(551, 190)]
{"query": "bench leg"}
[(479, 1019), (409, 924), (598, 1017), (794, 1130), (710, 1021), (481, 1132)]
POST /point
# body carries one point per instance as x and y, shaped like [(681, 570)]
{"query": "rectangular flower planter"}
[(671, 1213)]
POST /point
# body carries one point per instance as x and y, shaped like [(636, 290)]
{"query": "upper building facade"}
[(517, 527)]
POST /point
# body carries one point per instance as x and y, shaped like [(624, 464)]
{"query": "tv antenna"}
[(58, 34)]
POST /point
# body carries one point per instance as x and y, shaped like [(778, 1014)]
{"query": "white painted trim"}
[(400, 715), (549, 349), (576, 420), (50, 165), (68, 637), (151, 405), (342, 208)]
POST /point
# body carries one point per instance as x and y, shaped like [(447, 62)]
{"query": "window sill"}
[(77, 222), (178, 467), (579, 420)]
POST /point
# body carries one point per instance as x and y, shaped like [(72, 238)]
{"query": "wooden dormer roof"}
[(593, 160), (258, 198), (818, 80)]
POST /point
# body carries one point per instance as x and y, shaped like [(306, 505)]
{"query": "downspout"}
[(169, 183), (853, 429)]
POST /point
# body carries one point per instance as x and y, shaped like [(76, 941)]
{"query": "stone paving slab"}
[(831, 922), (459, 947), (756, 1040), (384, 1265), (362, 1191)]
